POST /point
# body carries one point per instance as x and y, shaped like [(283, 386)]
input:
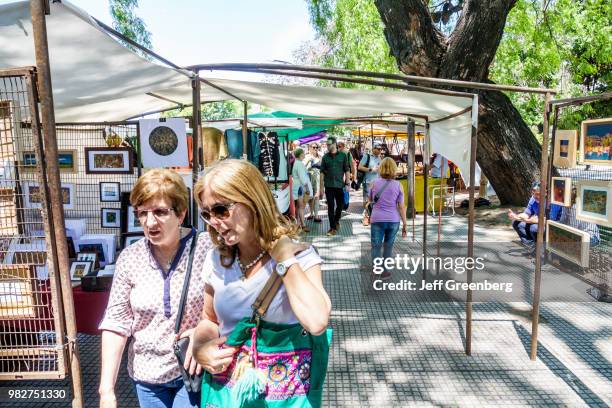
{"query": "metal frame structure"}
[(403, 82), (545, 180)]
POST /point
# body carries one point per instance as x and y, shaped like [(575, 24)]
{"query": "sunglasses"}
[(159, 213), (219, 211)]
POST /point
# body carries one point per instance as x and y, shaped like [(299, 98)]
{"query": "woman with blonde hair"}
[(147, 287), (386, 199), (253, 246)]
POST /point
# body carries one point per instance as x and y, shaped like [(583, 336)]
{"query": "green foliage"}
[(210, 111), (127, 23), (564, 44), (353, 32)]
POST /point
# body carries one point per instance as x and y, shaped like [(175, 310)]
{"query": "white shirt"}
[(234, 297), (300, 179)]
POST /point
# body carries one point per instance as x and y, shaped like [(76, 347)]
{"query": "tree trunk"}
[(508, 153)]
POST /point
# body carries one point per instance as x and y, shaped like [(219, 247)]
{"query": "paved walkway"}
[(396, 350)]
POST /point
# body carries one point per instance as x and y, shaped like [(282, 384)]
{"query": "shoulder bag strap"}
[(179, 315), (377, 196), (263, 300)]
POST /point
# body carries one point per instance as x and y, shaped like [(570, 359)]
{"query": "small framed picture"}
[(110, 191), (564, 150), (33, 195), (98, 248), (561, 191), (110, 217), (133, 224), (129, 239), (78, 269), (568, 242), (67, 160), (89, 257), (596, 142), (594, 201), (108, 160)]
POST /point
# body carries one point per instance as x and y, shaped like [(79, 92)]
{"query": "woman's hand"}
[(191, 365), (404, 233), (285, 248), (213, 357), (108, 399)]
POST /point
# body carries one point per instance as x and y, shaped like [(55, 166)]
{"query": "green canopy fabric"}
[(311, 126)]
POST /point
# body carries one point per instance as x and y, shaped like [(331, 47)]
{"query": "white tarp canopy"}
[(96, 79)]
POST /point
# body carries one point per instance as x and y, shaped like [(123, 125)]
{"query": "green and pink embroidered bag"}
[(277, 365)]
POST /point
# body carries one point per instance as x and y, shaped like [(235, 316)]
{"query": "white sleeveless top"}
[(234, 297)]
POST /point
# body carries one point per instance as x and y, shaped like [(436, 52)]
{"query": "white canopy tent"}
[(97, 79)]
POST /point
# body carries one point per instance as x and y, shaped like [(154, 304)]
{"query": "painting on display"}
[(594, 201), (568, 242), (129, 239), (67, 160), (33, 196), (133, 224), (163, 143), (110, 217), (17, 294), (97, 248), (596, 142), (110, 191), (108, 160), (78, 269), (564, 152), (561, 191)]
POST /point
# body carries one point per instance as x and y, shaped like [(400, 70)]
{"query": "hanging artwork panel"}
[(163, 143), (561, 191), (564, 152), (594, 201), (596, 142), (568, 242)]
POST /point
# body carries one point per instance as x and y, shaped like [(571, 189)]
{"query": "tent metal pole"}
[(365, 81), (553, 138), (535, 317), (196, 137), (426, 154), (245, 130), (410, 173), (41, 49), (471, 222), (405, 78)]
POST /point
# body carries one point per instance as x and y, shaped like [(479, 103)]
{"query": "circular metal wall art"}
[(163, 140)]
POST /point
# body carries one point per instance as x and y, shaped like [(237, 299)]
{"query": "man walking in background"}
[(369, 166), (335, 169)]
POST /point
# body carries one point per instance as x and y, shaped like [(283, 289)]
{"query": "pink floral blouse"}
[(143, 305)]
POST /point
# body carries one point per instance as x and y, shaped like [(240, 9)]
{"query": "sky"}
[(189, 32)]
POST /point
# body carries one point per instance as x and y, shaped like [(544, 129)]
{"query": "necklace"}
[(245, 268)]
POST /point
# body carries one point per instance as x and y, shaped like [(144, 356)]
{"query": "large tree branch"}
[(414, 40), (474, 41)]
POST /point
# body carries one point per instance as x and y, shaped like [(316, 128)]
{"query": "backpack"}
[(361, 174)]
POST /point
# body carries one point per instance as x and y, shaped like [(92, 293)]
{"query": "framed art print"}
[(78, 269), (568, 242), (108, 160), (133, 224), (564, 150), (594, 201), (32, 195), (67, 160), (90, 257), (110, 217), (561, 191), (110, 191), (129, 239), (163, 142), (596, 142)]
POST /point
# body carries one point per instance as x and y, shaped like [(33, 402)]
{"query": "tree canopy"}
[(562, 44), (129, 24)]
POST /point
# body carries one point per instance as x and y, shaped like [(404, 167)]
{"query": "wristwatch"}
[(283, 267)]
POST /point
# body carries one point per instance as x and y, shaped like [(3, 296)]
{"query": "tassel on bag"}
[(250, 385)]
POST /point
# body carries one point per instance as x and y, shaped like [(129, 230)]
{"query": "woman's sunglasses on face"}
[(159, 213), (220, 211)]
